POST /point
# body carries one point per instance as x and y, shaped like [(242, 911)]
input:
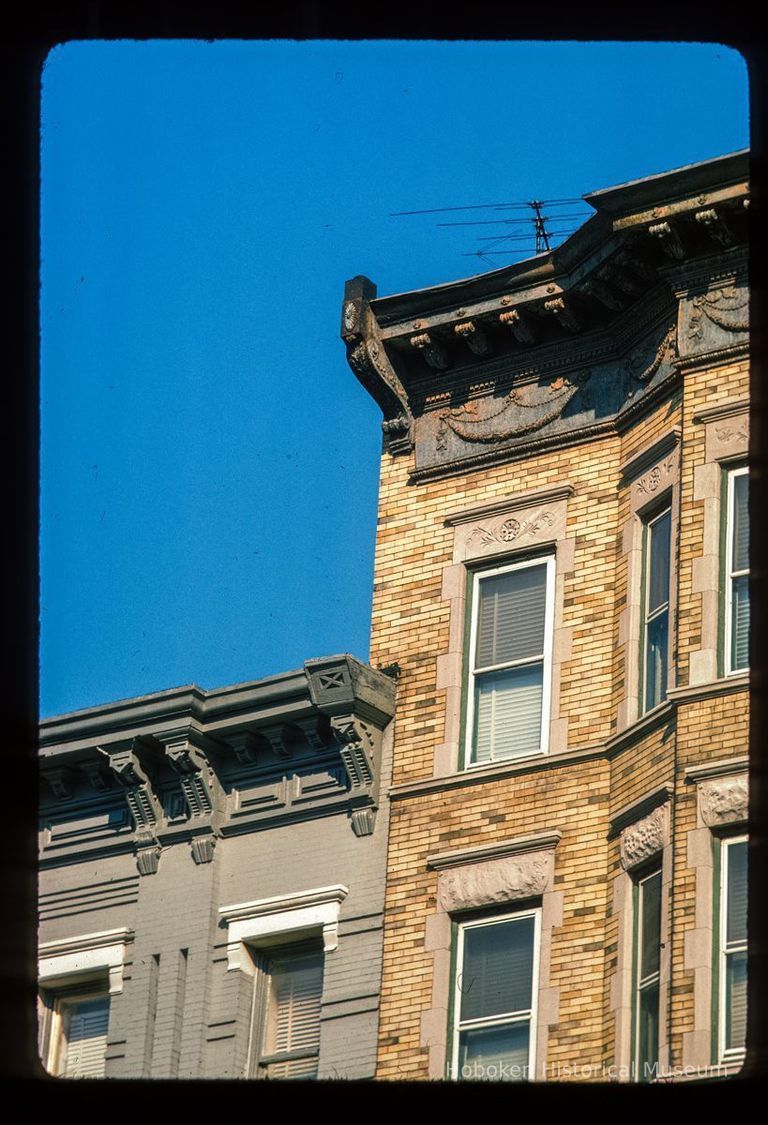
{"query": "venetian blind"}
[(511, 612), (508, 713), (497, 969), (86, 1025), (297, 985)]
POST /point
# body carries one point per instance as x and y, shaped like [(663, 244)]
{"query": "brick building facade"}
[(553, 829), (212, 876), (562, 576)]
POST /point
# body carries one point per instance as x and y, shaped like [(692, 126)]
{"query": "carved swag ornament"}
[(727, 307), (514, 417)]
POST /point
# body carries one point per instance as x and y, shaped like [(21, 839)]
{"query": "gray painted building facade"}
[(212, 879)]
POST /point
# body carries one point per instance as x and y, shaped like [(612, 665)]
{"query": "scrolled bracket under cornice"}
[(127, 769), (360, 752), (368, 359)]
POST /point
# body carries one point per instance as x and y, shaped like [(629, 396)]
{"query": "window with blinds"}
[(737, 566), (73, 1026), (733, 948), (510, 659), (494, 998), (656, 610), (292, 1025), (647, 966)]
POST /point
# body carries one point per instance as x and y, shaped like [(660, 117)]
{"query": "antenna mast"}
[(542, 237)]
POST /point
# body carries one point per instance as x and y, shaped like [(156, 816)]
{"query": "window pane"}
[(648, 1032), (85, 1031), (740, 622), (658, 563), (740, 557), (294, 1068), (650, 914), (495, 1053), (508, 713), (497, 969), (294, 1022), (656, 661), (736, 1000), (510, 624), (736, 916)]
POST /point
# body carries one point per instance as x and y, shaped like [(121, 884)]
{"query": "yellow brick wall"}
[(411, 627)]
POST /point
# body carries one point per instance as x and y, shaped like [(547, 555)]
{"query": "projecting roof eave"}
[(617, 208), (517, 277), (665, 187), (253, 704)]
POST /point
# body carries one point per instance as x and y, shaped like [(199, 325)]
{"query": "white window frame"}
[(648, 521), (529, 1015), (725, 1054), (730, 573), (60, 1000), (262, 1058), (654, 978), (478, 576)]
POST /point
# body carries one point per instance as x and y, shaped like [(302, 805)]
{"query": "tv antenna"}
[(532, 234)]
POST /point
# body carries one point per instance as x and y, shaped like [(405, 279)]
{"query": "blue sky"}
[(209, 463)]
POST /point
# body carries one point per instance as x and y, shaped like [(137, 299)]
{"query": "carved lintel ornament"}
[(60, 781), (645, 838), (603, 293), (434, 353), (474, 337), (564, 313), (669, 239), (520, 325), (724, 800), (715, 225), (495, 881)]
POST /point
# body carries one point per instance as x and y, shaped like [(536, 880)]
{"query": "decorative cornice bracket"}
[(369, 361)]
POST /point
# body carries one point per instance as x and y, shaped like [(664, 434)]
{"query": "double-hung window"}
[(737, 572), (732, 968), (290, 1041), (647, 972), (494, 1005), (655, 621), (76, 1022), (510, 657)]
